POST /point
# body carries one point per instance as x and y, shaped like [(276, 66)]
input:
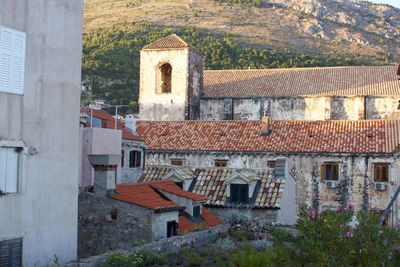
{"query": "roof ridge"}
[(305, 68), (168, 42)]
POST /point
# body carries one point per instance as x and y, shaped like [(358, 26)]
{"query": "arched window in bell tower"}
[(164, 78)]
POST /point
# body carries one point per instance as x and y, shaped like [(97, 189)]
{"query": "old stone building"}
[(328, 155), (174, 86)]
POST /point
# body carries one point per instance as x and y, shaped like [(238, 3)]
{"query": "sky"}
[(395, 3)]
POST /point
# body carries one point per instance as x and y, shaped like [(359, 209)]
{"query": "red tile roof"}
[(172, 41), (172, 188), (143, 195), (208, 220), (110, 123), (158, 172), (364, 136), (329, 81)]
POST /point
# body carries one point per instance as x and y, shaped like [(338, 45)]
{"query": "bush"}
[(225, 244), (139, 259), (192, 257)]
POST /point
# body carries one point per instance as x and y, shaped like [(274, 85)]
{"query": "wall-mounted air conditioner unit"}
[(380, 186), (331, 184)]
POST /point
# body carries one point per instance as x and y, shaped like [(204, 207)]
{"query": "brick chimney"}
[(265, 126), (105, 167)]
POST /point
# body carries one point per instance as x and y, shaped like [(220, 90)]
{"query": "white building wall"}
[(45, 118), (160, 223)]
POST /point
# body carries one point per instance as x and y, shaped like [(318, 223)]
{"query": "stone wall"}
[(262, 215), (301, 108), (106, 224), (170, 245)]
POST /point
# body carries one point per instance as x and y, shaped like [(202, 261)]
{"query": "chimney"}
[(265, 126), (105, 167), (130, 122)]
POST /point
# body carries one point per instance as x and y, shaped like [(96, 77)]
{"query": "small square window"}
[(239, 193), (271, 164), (330, 171), (381, 172), (177, 162), (180, 184), (9, 169), (221, 163)]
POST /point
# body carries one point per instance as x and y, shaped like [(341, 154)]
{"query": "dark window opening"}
[(122, 158), (398, 105), (165, 78), (330, 171), (180, 184), (172, 228), (114, 214), (135, 158), (221, 163), (239, 193), (381, 172), (11, 252), (177, 162), (271, 164), (196, 213)]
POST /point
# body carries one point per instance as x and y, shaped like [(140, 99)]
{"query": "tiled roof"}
[(213, 184), (158, 173), (110, 123), (170, 42), (143, 195), (361, 80), (208, 220), (172, 188), (364, 136)]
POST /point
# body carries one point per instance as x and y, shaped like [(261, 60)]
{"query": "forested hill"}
[(241, 34)]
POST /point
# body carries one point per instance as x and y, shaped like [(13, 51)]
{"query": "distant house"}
[(362, 154), (116, 217), (102, 134)]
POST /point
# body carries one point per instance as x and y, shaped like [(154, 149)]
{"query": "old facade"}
[(332, 93), (319, 153), (39, 135)]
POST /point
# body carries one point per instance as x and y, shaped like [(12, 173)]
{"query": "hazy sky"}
[(395, 3)]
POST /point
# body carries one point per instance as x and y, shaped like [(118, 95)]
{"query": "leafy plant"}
[(138, 259), (192, 257), (225, 244)]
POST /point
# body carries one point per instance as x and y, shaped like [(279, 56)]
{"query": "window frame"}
[(221, 163), (196, 212), (135, 158), (15, 245), (240, 198), (159, 80), (175, 160), (15, 167), (271, 162), (334, 169), (382, 166)]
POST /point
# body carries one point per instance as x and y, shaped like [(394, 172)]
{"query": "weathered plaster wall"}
[(98, 141), (160, 221), (383, 107), (99, 231), (45, 117), (131, 175), (212, 109), (195, 83), (247, 109), (347, 108), (153, 104)]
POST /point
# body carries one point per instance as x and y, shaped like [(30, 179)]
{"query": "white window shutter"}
[(12, 60), (3, 168), (12, 171)]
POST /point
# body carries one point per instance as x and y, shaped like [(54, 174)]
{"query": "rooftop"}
[(363, 136), (172, 41), (326, 81)]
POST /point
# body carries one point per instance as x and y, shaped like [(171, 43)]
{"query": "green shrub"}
[(240, 235), (192, 257), (138, 259)]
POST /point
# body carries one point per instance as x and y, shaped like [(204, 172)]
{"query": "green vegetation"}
[(111, 59), (138, 259), (257, 3)]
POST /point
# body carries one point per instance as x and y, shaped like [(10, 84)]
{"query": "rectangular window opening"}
[(330, 171), (135, 158), (239, 193), (381, 172), (177, 162), (221, 163), (11, 252), (9, 169)]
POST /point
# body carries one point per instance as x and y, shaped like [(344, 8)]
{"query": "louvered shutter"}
[(323, 172), (12, 60), (11, 253), (138, 158), (5, 251)]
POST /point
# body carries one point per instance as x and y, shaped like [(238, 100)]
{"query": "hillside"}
[(234, 34)]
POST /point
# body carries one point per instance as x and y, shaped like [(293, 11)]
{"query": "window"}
[(172, 228), (221, 163), (9, 158), (11, 252), (180, 184), (164, 80), (12, 60), (381, 172), (135, 158), (196, 213), (177, 162), (239, 193), (271, 164), (330, 171), (122, 158)]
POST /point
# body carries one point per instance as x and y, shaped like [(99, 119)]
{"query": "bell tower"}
[(171, 80)]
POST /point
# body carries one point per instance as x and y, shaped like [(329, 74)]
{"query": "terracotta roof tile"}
[(364, 136), (109, 122), (171, 41), (157, 173), (208, 220), (345, 81), (143, 195)]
